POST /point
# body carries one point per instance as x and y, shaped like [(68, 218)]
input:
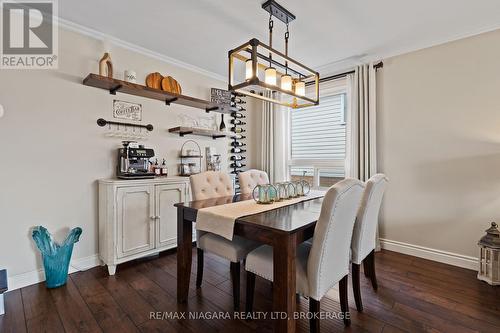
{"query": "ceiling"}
[(327, 34)]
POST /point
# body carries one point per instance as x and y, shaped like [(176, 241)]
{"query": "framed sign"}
[(220, 96), (127, 110)]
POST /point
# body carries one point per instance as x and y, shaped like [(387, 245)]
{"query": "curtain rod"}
[(341, 75)]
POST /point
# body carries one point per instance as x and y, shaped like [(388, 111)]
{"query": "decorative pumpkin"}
[(153, 80), (169, 84)]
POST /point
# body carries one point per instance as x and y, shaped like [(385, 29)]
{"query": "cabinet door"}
[(135, 218), (166, 196)]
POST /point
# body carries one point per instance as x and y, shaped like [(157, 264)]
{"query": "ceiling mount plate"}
[(278, 11)]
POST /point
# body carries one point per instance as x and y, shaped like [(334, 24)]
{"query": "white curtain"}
[(273, 141), (361, 149)]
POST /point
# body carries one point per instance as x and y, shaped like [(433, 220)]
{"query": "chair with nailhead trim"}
[(251, 178), (209, 185), (325, 262), (364, 234)]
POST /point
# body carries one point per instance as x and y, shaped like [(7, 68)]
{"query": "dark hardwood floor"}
[(414, 295)]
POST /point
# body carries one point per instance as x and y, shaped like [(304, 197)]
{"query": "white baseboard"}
[(445, 257), (36, 276), (81, 264)]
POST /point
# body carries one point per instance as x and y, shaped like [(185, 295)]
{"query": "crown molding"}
[(349, 63), (75, 27)]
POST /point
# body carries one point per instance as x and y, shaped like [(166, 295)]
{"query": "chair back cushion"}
[(365, 228), (251, 178), (329, 258), (211, 184)]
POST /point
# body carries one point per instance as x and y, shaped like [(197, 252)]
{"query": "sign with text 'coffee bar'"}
[(127, 110)]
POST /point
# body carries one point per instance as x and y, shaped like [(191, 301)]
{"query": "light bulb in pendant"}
[(248, 70), (270, 76), (286, 82), (300, 88)]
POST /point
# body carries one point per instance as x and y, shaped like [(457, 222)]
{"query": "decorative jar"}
[(281, 191), (302, 187), (265, 194), (291, 190)]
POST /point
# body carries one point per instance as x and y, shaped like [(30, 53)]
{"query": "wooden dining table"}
[(283, 228)]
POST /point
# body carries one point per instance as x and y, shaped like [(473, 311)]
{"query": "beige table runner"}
[(220, 219)]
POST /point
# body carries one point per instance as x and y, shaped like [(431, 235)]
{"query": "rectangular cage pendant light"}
[(255, 69)]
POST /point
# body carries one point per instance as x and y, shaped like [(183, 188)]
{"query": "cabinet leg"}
[(111, 269)]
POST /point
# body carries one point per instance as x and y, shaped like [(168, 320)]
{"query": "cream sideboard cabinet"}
[(137, 217)]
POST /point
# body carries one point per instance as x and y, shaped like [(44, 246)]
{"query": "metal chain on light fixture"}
[(287, 35), (271, 24), (270, 72)]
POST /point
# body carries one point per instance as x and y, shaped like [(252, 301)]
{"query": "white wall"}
[(439, 143), (53, 151)]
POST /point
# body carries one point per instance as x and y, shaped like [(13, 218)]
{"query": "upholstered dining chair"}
[(364, 234), (325, 262), (251, 178), (209, 185)]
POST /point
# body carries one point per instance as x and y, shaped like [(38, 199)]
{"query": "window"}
[(318, 139)]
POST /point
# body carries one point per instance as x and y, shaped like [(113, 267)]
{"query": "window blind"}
[(318, 132)]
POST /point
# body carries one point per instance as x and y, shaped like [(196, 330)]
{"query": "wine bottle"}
[(235, 114), (235, 172), (238, 144), (222, 126), (237, 165), (237, 130), (237, 150), (237, 158), (238, 100), (239, 137), (240, 108), (237, 122)]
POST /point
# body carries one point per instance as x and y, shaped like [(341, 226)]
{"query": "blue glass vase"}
[(55, 257)]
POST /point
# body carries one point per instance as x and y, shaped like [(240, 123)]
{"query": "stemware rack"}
[(237, 125), (125, 130)]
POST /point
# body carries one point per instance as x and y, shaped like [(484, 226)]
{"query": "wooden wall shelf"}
[(114, 85), (199, 131)]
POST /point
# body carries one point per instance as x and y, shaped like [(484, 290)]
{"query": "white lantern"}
[(270, 76), (489, 256)]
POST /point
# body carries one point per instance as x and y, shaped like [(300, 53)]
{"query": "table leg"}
[(184, 255), (284, 285)]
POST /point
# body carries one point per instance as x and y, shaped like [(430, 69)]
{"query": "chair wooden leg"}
[(250, 291), (199, 271), (235, 276), (344, 304), (314, 308), (371, 262), (355, 287), (366, 267)]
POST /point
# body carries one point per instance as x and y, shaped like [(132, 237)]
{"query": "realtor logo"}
[(29, 37)]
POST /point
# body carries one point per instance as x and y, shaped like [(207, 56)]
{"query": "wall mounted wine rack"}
[(238, 144)]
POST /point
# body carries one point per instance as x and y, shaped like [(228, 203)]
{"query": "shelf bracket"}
[(185, 133), (211, 108), (170, 100), (113, 90)]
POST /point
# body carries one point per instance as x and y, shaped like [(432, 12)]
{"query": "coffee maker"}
[(133, 161)]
